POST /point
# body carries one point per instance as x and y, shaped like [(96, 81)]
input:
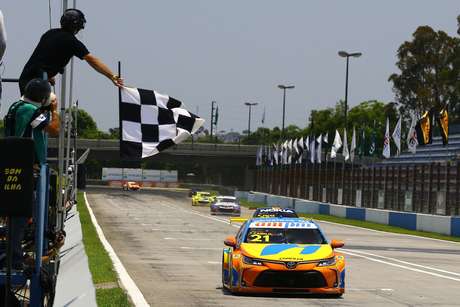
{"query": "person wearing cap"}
[(55, 49), (33, 116)]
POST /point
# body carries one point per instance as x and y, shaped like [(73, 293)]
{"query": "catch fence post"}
[(457, 188), (423, 198), (448, 205)]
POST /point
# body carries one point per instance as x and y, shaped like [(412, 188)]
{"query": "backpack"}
[(9, 120)]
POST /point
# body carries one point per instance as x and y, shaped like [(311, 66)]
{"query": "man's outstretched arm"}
[(100, 67)]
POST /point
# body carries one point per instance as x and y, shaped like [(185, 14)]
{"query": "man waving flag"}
[(151, 122)]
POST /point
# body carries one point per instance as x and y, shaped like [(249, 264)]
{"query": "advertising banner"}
[(109, 173), (151, 175), (168, 176), (132, 174)]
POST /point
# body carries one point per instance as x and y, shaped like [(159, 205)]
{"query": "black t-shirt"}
[(53, 52)]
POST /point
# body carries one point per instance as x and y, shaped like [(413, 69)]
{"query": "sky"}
[(231, 52)]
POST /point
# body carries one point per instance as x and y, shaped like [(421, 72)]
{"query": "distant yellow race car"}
[(202, 198)]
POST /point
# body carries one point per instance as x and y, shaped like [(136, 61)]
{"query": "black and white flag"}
[(151, 122)]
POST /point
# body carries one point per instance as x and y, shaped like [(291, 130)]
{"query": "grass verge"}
[(100, 265), (362, 224)]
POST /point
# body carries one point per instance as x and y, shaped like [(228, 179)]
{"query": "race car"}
[(282, 255), (202, 198), (131, 186), (274, 212), (225, 205)]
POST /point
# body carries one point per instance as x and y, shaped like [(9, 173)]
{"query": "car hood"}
[(287, 252)]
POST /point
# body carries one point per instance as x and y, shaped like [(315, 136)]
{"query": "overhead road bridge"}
[(225, 164)]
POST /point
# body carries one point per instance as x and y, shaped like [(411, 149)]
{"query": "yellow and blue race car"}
[(202, 198), (282, 255)]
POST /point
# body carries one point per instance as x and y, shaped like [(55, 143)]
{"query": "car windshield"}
[(205, 194), (275, 213), (292, 236)]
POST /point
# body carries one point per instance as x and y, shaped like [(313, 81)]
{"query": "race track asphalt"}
[(173, 253)]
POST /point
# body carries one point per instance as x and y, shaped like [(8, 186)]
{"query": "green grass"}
[(362, 224), (114, 297), (100, 265)]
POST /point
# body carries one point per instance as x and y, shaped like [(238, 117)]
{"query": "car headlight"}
[(327, 262), (251, 261)]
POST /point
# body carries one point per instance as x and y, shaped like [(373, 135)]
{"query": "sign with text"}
[(168, 176), (132, 174), (109, 173), (16, 176), (151, 175)]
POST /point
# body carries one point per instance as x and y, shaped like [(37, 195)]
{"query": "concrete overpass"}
[(226, 164)]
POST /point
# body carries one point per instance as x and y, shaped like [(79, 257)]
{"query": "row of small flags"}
[(297, 151)]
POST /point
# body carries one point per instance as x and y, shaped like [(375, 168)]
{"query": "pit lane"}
[(173, 251)]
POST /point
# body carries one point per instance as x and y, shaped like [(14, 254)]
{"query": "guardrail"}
[(103, 144)]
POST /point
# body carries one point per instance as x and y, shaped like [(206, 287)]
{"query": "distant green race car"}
[(203, 198)]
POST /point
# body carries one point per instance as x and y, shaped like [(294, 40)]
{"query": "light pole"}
[(347, 55), (250, 105), (284, 87)]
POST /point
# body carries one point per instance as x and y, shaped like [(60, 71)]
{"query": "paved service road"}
[(173, 252)]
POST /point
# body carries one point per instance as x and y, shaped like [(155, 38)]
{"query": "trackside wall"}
[(447, 225)]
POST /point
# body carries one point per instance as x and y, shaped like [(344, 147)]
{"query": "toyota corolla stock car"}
[(283, 255), (225, 205)]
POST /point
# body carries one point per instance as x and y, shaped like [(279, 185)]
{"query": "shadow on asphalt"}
[(281, 295)]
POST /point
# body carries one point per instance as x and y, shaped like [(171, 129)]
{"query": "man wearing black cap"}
[(57, 47)]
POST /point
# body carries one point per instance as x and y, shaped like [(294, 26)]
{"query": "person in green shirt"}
[(33, 116)]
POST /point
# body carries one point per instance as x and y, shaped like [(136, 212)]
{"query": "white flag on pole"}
[(345, 152), (386, 141), (326, 138), (312, 150), (301, 150), (397, 135), (319, 148), (412, 140), (336, 145), (353, 145)]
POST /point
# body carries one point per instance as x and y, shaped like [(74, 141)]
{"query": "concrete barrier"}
[(306, 206), (448, 225), (433, 223), (280, 201), (337, 210), (377, 216), (403, 220), (241, 195), (257, 197)]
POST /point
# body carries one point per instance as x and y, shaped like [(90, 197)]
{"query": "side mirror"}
[(337, 244), (230, 241)]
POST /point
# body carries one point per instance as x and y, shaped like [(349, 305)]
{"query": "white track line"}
[(351, 252), (398, 265), (126, 281), (403, 262)]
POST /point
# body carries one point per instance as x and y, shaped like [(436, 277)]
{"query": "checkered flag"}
[(151, 122)]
